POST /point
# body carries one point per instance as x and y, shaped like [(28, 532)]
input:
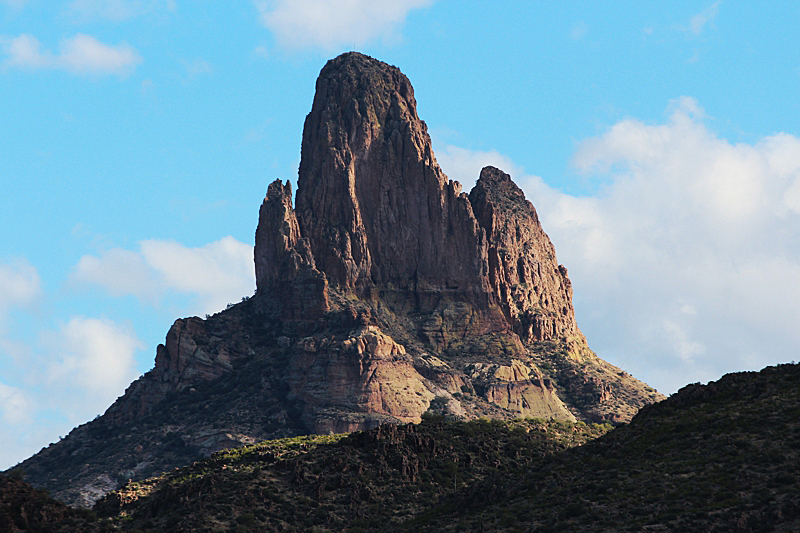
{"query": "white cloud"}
[(698, 22), (15, 405), (81, 54), (219, 272), (465, 165), (333, 23), (686, 263), (216, 274), (20, 285), (94, 355)]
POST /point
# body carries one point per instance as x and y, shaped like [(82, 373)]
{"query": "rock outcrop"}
[(385, 293), (373, 203), (524, 277)]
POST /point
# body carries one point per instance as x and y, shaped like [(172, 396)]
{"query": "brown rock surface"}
[(372, 201), (525, 278)]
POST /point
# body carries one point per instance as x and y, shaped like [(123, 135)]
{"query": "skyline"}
[(659, 146)]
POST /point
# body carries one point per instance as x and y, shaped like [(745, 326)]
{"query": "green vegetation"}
[(366, 481), (722, 457)]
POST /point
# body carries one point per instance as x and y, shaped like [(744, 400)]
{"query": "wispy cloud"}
[(15, 405), (579, 30), (14, 4), (329, 24), (81, 55), (698, 22), (117, 10), (197, 67)]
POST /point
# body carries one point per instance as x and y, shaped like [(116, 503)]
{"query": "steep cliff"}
[(384, 294)]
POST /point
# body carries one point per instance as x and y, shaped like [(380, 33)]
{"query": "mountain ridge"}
[(383, 295)]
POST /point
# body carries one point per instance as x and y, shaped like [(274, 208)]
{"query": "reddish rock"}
[(385, 293), (372, 201), (285, 268), (525, 278)]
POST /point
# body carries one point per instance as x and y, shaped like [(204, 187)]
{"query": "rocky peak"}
[(373, 203), (384, 294), (285, 267), (526, 280)]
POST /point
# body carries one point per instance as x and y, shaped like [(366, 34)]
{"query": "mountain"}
[(721, 457), (384, 294)]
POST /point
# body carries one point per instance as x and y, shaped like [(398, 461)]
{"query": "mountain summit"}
[(384, 294)]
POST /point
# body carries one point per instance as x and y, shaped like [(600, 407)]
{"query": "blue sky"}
[(660, 144)]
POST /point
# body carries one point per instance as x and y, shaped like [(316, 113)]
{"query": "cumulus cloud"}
[(686, 262), (334, 23), (81, 54), (93, 355), (215, 274), (698, 22)]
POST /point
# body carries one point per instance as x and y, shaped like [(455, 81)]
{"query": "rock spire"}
[(383, 294)]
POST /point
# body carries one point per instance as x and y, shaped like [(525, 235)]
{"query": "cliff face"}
[(384, 294), (372, 201), (524, 277)]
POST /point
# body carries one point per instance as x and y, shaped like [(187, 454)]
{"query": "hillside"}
[(712, 458), (717, 457)]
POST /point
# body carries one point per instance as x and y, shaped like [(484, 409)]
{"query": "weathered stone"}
[(526, 280), (367, 372), (285, 269), (373, 202)]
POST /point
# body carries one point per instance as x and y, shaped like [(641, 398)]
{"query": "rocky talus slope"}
[(384, 294)]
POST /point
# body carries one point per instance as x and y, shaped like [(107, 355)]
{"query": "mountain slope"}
[(720, 457), (712, 458), (385, 294)]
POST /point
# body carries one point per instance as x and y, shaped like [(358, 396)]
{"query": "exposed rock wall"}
[(525, 278), (285, 267), (386, 293), (372, 201)]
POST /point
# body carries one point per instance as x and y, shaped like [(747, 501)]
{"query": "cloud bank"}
[(686, 263), (80, 55), (215, 274), (332, 24)]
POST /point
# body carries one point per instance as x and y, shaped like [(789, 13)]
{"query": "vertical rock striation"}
[(372, 202), (524, 276)]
